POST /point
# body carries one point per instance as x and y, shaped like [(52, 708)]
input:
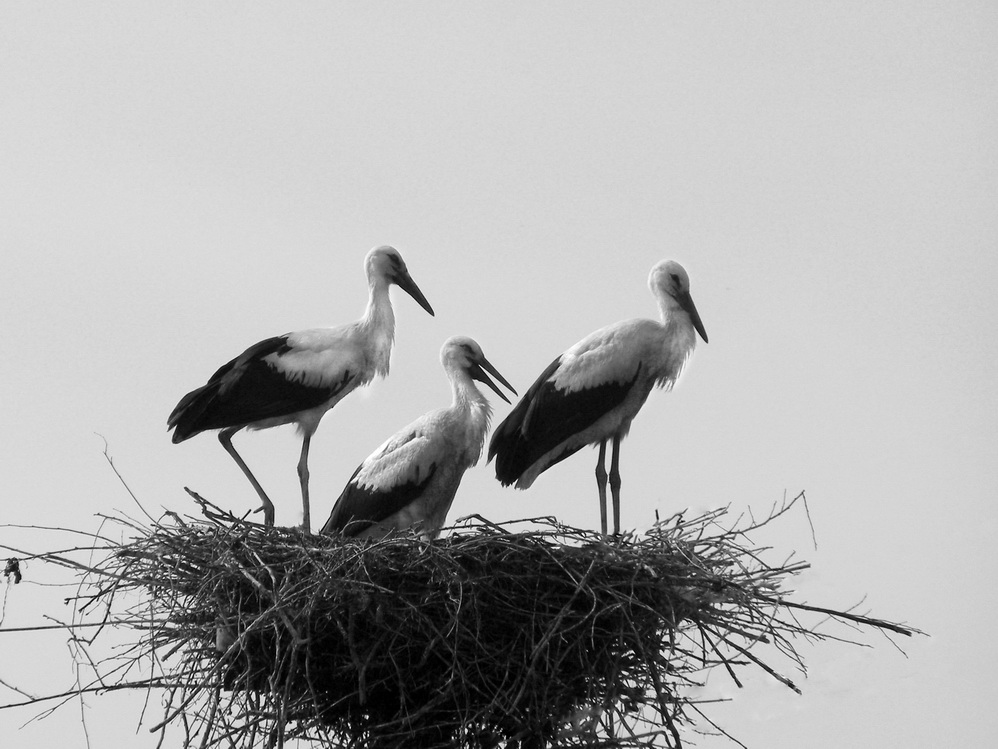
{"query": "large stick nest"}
[(529, 634)]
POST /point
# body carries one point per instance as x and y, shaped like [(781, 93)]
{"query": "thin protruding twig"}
[(121, 479)]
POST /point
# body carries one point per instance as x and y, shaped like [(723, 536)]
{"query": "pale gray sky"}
[(180, 180)]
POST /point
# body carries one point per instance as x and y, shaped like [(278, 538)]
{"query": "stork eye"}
[(674, 277)]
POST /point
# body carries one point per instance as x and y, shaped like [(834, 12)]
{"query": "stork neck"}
[(467, 397), (672, 314), (677, 325), (379, 325), (473, 414)]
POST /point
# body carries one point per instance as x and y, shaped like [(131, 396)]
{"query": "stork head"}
[(385, 264), (670, 283), (463, 353)]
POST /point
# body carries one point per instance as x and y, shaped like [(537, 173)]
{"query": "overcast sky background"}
[(180, 180)]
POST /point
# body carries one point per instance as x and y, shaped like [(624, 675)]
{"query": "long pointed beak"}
[(404, 281), (686, 302), (478, 372)]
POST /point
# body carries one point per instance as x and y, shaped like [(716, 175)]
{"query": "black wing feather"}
[(358, 508), (246, 390), (545, 417)]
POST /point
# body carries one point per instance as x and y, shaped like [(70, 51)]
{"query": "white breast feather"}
[(677, 346)]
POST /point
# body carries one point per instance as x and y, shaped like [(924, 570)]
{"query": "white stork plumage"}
[(592, 392), (411, 480), (297, 377)]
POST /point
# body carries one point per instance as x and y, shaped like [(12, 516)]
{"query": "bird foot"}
[(268, 515)]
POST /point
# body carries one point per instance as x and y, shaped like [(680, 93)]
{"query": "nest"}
[(527, 634)]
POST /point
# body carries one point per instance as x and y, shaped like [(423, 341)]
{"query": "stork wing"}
[(546, 417), (394, 476), (255, 386)]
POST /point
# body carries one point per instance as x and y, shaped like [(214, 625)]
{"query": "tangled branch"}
[(525, 634)]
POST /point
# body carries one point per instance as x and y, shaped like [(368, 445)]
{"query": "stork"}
[(297, 377), (411, 480), (590, 394)]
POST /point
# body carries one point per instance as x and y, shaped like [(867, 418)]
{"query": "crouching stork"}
[(410, 481)]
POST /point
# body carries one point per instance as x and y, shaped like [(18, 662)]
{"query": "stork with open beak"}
[(410, 481)]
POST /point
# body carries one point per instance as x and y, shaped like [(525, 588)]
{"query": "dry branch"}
[(526, 634)]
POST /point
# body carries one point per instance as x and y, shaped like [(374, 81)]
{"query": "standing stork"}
[(411, 480), (297, 377), (592, 392)]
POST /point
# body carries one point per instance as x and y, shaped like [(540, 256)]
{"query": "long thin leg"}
[(225, 437), (306, 521), (601, 484), (615, 484)]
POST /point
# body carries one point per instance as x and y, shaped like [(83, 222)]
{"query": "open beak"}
[(686, 302), (478, 372), (404, 281)]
